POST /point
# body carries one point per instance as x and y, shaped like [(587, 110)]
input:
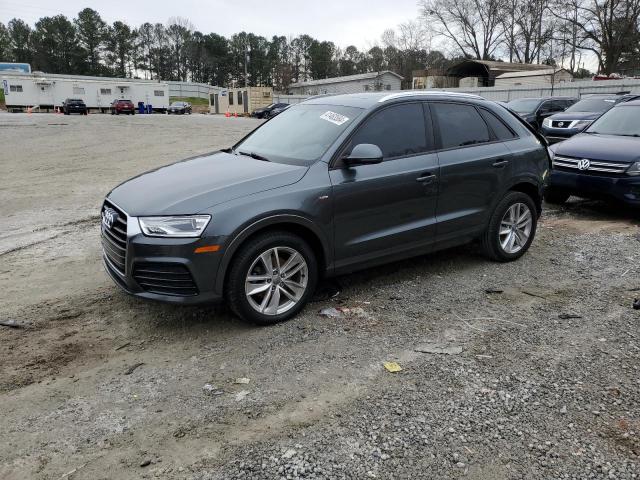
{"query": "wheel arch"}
[(295, 224), (532, 190)]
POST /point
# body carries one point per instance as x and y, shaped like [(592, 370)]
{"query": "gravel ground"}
[(524, 370)]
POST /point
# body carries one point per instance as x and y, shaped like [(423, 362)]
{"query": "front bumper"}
[(142, 251), (555, 135), (624, 189)]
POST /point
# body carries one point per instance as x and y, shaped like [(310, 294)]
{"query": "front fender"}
[(271, 220)]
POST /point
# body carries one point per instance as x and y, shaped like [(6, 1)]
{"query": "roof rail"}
[(412, 93)]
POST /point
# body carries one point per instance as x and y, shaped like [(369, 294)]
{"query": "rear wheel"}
[(555, 196), (511, 228), (272, 278)]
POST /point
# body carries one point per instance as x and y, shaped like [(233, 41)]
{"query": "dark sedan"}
[(535, 110), (265, 112), (579, 116), (603, 162), (179, 108), (278, 110), (74, 105)]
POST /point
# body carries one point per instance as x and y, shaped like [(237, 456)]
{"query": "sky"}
[(344, 22)]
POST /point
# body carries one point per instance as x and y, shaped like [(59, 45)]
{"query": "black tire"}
[(491, 239), (242, 261), (555, 196)]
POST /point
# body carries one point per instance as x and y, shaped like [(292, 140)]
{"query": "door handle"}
[(426, 178), (500, 163)]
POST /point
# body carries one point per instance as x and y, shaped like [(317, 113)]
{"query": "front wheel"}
[(511, 228), (272, 278)]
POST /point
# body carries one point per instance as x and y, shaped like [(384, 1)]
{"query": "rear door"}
[(388, 207), (474, 167)]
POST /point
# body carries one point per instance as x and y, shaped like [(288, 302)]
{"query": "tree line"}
[(542, 31), (87, 45), (527, 31)]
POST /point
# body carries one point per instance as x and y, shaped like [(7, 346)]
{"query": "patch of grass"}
[(195, 101), (1, 97)]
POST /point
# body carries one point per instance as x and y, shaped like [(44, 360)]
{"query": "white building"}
[(45, 91), (534, 77), (364, 82)]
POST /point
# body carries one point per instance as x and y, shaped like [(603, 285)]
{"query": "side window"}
[(501, 131), (459, 125), (398, 130), (557, 105), (545, 107), (230, 98), (239, 97)]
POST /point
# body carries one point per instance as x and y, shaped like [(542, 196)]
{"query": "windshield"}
[(594, 105), (524, 105), (177, 104), (299, 135), (623, 121)]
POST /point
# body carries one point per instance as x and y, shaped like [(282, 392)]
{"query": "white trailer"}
[(46, 92)]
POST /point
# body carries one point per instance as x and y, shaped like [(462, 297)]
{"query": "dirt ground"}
[(524, 370)]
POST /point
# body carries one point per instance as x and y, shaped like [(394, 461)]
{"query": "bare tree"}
[(474, 26), (605, 27)]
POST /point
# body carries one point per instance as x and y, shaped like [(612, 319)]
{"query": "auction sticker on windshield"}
[(334, 117)]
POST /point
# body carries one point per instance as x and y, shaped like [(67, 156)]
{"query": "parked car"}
[(329, 186), (179, 108), (602, 162), (265, 111), (580, 115), (122, 106), (535, 110), (278, 110), (74, 105)]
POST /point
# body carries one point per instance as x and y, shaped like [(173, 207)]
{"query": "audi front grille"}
[(114, 239)]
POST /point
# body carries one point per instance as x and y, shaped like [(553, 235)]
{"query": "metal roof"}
[(346, 78), (531, 73)]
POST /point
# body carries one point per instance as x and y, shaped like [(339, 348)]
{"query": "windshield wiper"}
[(629, 135), (253, 155)]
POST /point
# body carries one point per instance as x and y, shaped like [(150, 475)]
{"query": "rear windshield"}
[(301, 134), (591, 104), (524, 105)]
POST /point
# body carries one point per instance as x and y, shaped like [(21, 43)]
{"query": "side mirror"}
[(364, 154)]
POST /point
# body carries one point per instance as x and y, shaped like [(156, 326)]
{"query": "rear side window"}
[(459, 125), (398, 130), (501, 131)]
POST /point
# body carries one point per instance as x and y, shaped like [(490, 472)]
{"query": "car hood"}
[(600, 147), (575, 116), (194, 184)]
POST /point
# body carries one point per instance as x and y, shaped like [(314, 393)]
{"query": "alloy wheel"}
[(515, 228), (276, 281)]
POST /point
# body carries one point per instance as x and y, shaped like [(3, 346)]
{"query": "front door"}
[(474, 165), (45, 95), (387, 208)]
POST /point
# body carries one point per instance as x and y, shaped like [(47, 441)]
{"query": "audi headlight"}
[(581, 124), (546, 122), (634, 169), (187, 226)]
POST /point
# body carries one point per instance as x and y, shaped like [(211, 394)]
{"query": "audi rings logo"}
[(109, 216), (584, 164)]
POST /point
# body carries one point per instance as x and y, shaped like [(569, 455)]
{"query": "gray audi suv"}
[(329, 186)]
